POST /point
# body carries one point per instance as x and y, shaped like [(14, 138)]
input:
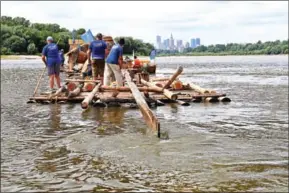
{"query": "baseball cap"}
[(49, 38)]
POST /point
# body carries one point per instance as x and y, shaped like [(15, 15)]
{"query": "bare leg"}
[(51, 81), (57, 80)]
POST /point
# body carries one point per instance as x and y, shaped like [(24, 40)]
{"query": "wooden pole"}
[(173, 78), (166, 92), (38, 83), (85, 103), (148, 115)]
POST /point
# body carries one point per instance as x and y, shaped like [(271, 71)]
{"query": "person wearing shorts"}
[(51, 59), (96, 55)]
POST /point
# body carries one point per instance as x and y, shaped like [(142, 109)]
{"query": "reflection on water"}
[(238, 146)]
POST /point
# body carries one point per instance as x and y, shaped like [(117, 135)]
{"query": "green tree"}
[(31, 48)]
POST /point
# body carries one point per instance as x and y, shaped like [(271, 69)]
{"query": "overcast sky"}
[(213, 22)]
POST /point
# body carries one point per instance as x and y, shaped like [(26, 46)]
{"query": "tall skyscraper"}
[(167, 43), (172, 45), (159, 42), (198, 41), (193, 43), (187, 45), (179, 43)]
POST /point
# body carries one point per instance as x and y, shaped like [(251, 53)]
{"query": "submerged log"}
[(148, 115), (211, 99), (224, 99), (173, 78), (85, 103), (183, 103), (166, 92)]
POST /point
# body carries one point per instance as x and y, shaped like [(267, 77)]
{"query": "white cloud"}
[(214, 22)]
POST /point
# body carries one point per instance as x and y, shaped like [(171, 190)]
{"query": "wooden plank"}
[(148, 115)]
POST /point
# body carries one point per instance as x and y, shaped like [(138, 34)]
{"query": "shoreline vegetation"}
[(22, 39)]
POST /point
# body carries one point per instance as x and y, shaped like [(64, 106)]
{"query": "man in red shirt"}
[(137, 63)]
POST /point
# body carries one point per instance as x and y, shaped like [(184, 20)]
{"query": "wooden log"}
[(88, 86), (81, 80), (127, 89), (166, 92), (59, 91), (75, 92), (72, 85), (159, 79), (148, 115), (224, 99), (211, 99), (173, 78), (201, 90), (183, 103), (99, 103), (85, 103)]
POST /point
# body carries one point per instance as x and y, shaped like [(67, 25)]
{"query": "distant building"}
[(193, 43), (179, 43), (187, 45), (181, 48), (159, 42), (172, 45), (198, 42)]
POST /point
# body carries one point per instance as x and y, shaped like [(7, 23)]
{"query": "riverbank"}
[(218, 54), (20, 57)]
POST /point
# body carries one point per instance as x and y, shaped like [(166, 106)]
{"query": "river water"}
[(238, 146)]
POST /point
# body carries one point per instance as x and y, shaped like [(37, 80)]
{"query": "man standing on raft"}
[(97, 51), (51, 59), (114, 64)]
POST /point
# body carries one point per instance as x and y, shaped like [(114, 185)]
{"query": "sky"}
[(214, 22)]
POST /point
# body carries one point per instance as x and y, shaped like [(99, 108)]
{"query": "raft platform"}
[(139, 90)]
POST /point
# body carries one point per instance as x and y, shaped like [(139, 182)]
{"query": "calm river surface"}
[(240, 146)]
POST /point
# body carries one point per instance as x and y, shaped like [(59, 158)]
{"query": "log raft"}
[(143, 91)]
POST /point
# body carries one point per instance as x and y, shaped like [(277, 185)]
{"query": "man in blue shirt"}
[(96, 52), (114, 64), (51, 59)]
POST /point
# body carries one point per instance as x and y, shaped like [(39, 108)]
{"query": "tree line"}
[(20, 36), (258, 48)]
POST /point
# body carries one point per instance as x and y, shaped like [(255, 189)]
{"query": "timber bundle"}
[(139, 90)]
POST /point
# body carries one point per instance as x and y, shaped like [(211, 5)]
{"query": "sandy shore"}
[(19, 57)]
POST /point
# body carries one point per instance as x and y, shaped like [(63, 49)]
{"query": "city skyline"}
[(172, 43), (215, 22)]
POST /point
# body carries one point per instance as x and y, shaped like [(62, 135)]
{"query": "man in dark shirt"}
[(96, 56)]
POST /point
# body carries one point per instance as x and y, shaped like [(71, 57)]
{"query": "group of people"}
[(105, 62)]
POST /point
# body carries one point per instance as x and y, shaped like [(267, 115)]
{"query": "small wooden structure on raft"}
[(140, 89)]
